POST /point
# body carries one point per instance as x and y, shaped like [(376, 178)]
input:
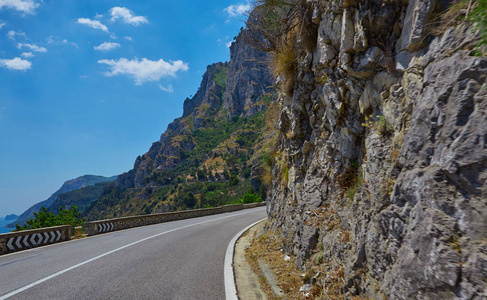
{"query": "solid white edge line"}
[(230, 288), (15, 292)]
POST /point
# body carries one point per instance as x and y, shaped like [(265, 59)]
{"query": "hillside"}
[(68, 186), (209, 156), (379, 172)]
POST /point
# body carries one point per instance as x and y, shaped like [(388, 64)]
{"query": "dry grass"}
[(325, 217), (285, 175), (285, 62), (267, 175), (453, 16), (268, 248), (215, 165)]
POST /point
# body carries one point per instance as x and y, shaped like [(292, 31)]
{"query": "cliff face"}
[(381, 163)]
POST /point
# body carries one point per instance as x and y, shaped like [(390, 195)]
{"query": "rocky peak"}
[(227, 89), (248, 78), (208, 88)]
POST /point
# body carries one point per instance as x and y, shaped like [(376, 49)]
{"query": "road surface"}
[(176, 260)]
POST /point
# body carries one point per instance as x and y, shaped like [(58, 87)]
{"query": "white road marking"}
[(230, 288), (24, 288)]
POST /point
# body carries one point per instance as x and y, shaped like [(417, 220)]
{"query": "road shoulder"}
[(247, 282)]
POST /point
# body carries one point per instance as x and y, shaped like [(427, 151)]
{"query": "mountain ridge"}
[(67, 186)]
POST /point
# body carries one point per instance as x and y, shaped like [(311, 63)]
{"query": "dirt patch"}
[(267, 248), (324, 279)]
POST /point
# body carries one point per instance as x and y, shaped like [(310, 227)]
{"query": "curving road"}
[(176, 260)]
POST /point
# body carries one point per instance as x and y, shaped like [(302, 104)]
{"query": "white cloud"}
[(93, 24), (144, 70), (25, 6), (54, 40), (106, 46), (128, 38), (27, 55), (2, 24), (126, 15), (229, 44), (168, 89), (32, 47), (236, 10), (16, 64), (12, 34), (98, 16)]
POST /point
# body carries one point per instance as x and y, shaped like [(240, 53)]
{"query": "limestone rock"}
[(397, 200)]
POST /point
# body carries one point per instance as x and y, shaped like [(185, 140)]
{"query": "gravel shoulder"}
[(247, 282)]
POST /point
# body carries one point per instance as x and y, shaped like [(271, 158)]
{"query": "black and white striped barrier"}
[(105, 227), (27, 239)]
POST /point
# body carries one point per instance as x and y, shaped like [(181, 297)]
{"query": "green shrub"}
[(43, 219), (250, 198), (221, 77), (380, 124), (479, 16), (353, 189)]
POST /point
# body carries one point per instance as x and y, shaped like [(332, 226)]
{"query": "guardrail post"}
[(89, 228)]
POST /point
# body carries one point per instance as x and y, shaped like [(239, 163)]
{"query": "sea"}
[(3, 223)]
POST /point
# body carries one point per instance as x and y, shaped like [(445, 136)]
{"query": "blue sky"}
[(87, 86)]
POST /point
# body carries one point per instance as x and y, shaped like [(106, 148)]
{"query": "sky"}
[(87, 86)]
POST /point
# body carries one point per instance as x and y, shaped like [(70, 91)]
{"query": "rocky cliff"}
[(379, 173)]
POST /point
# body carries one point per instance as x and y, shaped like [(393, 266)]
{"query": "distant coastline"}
[(11, 217), (3, 223)]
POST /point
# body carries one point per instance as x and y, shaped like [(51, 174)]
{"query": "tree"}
[(250, 198), (274, 23), (190, 200), (43, 219)]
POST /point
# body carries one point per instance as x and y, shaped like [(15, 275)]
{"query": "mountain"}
[(11, 217), (211, 154), (81, 198), (68, 186), (379, 182)]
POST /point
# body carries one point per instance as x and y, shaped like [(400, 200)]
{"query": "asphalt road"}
[(176, 260)]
